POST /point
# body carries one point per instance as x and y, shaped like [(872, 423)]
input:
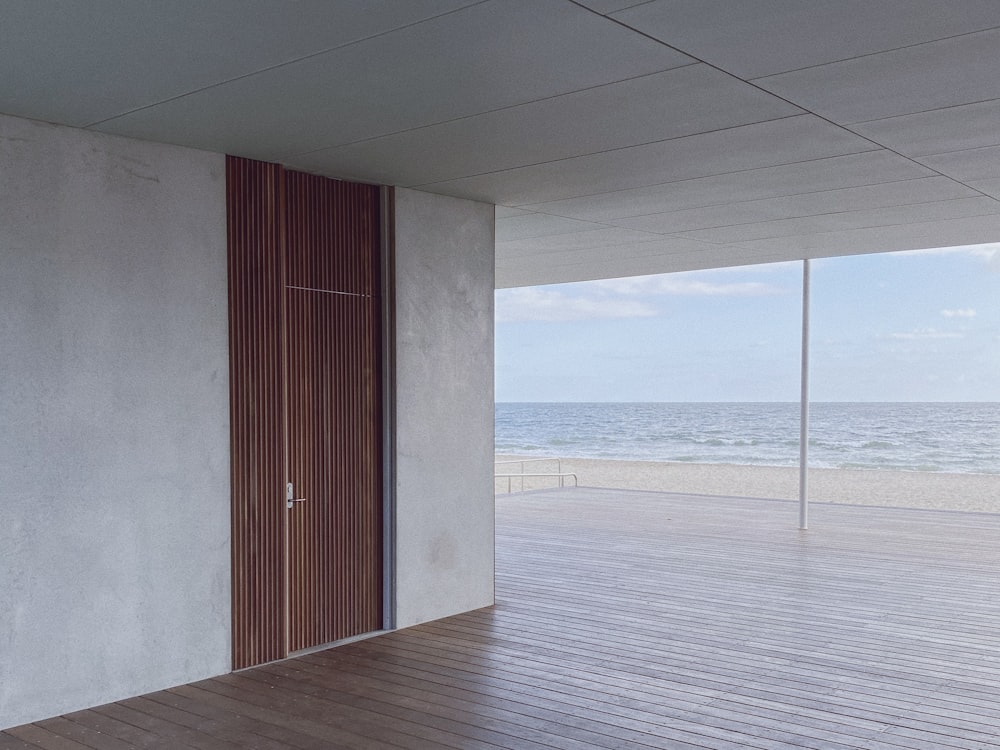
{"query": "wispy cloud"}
[(532, 303), (678, 285), (989, 254), (925, 333), (964, 312), (631, 297)]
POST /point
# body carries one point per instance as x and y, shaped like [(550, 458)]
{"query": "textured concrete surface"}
[(114, 468), (444, 430)]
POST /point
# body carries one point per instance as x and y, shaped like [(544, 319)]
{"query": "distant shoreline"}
[(910, 489)]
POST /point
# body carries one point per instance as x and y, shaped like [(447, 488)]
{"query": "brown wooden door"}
[(305, 382), (334, 522), (333, 420)]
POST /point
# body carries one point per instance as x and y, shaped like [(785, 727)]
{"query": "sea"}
[(939, 437)]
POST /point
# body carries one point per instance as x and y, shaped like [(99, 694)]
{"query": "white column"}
[(804, 405)]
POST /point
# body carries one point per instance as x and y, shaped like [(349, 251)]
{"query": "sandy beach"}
[(948, 491)]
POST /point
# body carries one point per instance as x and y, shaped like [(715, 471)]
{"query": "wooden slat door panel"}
[(333, 416), (306, 408), (253, 193), (335, 572)]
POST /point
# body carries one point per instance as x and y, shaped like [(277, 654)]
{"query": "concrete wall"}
[(114, 477), (114, 452), (444, 421)]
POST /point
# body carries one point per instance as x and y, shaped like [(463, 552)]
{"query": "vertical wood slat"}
[(305, 349), (255, 330)]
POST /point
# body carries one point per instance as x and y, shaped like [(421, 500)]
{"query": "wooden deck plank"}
[(538, 704), (636, 724), (367, 716), (9, 742), (135, 736), (336, 729), (253, 728), (239, 736), (125, 712), (674, 709), (708, 660), (638, 619), (522, 721), (421, 715), (83, 734), (37, 736)]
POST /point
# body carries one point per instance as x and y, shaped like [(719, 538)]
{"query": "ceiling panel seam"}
[(935, 202), (701, 177), (529, 206), (928, 111), (286, 63), (800, 216), (870, 54), (650, 143), (752, 82), (484, 112), (756, 200), (688, 235), (821, 233), (599, 226)]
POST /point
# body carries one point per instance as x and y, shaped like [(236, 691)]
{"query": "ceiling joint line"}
[(928, 111), (875, 54), (799, 217), (769, 198), (284, 64), (526, 206), (684, 179), (489, 112), (847, 230), (613, 150), (786, 100)]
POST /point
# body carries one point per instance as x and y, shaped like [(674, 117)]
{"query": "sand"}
[(907, 489)]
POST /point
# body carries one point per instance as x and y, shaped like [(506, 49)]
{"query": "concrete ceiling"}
[(616, 137)]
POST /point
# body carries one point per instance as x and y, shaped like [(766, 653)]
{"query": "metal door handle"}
[(290, 498)]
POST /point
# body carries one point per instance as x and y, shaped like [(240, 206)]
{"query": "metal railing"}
[(558, 473)]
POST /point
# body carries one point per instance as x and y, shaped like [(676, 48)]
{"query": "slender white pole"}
[(804, 405)]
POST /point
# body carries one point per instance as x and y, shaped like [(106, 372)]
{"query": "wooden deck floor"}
[(634, 620)]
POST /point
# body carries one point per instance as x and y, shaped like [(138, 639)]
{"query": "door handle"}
[(290, 498)]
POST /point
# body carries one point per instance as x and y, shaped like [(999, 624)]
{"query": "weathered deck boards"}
[(632, 620)]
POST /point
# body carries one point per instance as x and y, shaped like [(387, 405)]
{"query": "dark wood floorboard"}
[(640, 620)]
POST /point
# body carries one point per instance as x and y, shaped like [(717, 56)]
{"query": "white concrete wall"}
[(444, 420), (114, 475)]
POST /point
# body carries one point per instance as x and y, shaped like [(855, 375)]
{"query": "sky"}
[(915, 326)]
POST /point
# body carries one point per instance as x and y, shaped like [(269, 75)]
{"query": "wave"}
[(961, 438)]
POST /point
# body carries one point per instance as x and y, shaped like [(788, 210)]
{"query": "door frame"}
[(387, 236)]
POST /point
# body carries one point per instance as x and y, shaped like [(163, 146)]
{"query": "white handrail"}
[(528, 461), (562, 476), (522, 474)]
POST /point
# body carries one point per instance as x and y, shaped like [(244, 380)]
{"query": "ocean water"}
[(945, 437)]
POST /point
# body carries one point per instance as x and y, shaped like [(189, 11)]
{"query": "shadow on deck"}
[(639, 619)]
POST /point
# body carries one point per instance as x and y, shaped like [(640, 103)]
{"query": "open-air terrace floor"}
[(632, 619)]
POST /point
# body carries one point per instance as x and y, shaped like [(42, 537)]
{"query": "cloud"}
[(925, 333), (966, 312), (683, 285), (630, 297), (534, 304), (781, 266), (989, 254)]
